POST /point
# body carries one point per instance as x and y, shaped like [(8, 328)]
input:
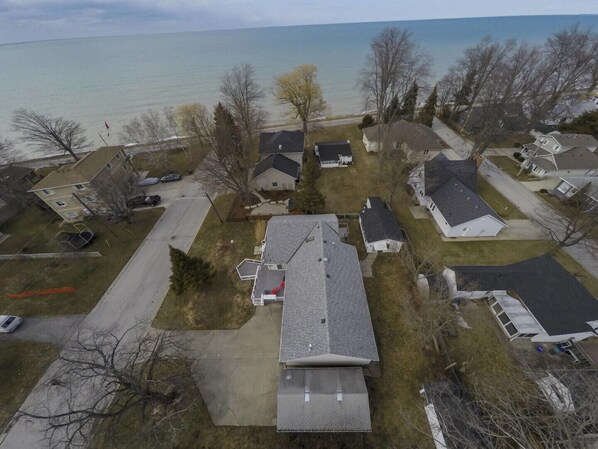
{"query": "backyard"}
[(178, 161), (34, 230), (511, 167), (226, 303)]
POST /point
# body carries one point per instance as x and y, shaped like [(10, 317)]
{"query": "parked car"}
[(171, 177), (144, 200), (148, 182), (9, 323)]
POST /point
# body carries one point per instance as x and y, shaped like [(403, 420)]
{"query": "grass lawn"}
[(21, 364), (90, 276), (511, 167), (225, 304), (502, 206), (355, 238), (346, 189), (178, 161)]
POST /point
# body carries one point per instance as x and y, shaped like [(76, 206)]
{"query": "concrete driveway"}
[(133, 299), (237, 371), (49, 329)]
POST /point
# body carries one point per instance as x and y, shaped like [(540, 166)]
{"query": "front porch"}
[(268, 286)]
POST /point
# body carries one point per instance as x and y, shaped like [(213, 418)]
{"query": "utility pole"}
[(215, 210)]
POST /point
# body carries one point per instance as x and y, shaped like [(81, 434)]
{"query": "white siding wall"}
[(266, 180), (486, 226)]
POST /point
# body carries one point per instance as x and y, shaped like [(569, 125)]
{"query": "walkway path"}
[(133, 299), (517, 193)]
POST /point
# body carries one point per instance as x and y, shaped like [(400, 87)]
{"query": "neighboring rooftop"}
[(323, 400), (379, 222), (575, 140), (81, 172), (14, 174), (281, 142), (330, 151), (558, 301), (277, 162), (576, 158), (416, 136), (458, 204), (440, 170), (580, 182), (325, 308)]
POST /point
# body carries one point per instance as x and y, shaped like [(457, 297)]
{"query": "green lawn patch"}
[(21, 364), (89, 276), (226, 303), (346, 189), (499, 203), (511, 167)]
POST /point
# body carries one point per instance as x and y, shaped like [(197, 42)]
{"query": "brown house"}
[(77, 190)]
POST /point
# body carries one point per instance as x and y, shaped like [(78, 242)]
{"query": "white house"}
[(536, 299), (448, 190), (556, 155), (276, 172), (333, 154), (287, 143), (418, 142), (379, 227), (587, 186)]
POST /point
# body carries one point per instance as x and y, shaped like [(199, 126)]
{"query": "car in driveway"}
[(148, 182), (171, 177), (144, 200), (9, 323)]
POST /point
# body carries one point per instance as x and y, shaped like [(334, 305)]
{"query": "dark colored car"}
[(144, 200), (171, 177)]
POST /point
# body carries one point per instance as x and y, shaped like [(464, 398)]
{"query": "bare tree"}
[(113, 194), (228, 165), (574, 226), (7, 151), (242, 96), (51, 135), (121, 375), (302, 94)]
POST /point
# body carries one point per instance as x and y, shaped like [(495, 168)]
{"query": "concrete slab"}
[(419, 212), (366, 265), (237, 371), (52, 329), (270, 209)]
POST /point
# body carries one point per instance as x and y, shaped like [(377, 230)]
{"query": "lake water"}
[(113, 79)]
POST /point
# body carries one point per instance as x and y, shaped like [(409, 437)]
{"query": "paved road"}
[(517, 193), (133, 298), (48, 329)]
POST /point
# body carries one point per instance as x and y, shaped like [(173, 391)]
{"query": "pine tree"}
[(308, 197), (407, 110), (462, 97), (426, 115), (393, 111), (188, 272)]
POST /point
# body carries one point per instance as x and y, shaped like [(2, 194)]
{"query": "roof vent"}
[(325, 259), (288, 377), (339, 395), (323, 320), (306, 397), (309, 346), (310, 239), (280, 146), (319, 259), (328, 276)]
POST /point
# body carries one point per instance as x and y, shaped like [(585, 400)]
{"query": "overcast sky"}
[(27, 20)]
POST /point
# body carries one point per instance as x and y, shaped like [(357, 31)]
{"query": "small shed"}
[(379, 227), (334, 154)]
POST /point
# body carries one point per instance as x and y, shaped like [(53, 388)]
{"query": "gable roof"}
[(439, 170), (277, 162), (323, 400), (379, 222), (81, 172), (458, 204), (575, 140), (14, 173), (325, 308), (576, 158), (416, 136), (558, 301), (330, 151), (281, 142)]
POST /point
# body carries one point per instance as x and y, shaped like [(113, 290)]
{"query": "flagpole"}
[(102, 139)]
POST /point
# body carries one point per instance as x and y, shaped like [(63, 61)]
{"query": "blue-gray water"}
[(115, 78)]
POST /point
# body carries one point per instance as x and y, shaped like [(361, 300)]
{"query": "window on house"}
[(60, 203), (274, 184), (433, 207), (109, 165), (79, 187), (497, 308), (511, 329), (48, 192), (117, 155), (504, 319)]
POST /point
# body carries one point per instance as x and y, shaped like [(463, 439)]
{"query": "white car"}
[(148, 182), (9, 323)]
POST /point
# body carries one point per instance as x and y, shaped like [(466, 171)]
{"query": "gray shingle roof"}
[(284, 234), (277, 162), (543, 162), (378, 221), (580, 182), (440, 170), (281, 142), (555, 298), (325, 313), (416, 136), (576, 158), (458, 204), (575, 140), (323, 400), (330, 151)]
